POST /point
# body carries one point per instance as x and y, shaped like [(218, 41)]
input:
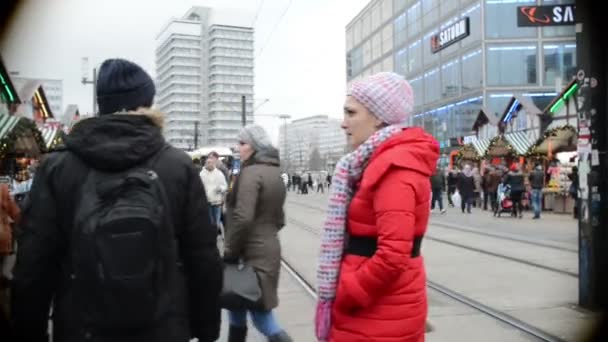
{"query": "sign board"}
[(556, 15), (450, 35)]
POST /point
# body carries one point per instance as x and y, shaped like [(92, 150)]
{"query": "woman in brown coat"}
[(254, 217)]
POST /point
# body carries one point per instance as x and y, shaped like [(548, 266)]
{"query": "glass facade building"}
[(495, 61)]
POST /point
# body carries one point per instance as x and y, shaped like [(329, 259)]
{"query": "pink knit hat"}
[(387, 95)]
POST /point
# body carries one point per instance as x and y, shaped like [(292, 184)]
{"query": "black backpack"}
[(124, 253)]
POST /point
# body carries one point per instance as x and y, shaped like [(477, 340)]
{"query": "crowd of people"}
[(119, 234), (500, 189)]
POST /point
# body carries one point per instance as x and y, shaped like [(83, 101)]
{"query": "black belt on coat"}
[(367, 246)]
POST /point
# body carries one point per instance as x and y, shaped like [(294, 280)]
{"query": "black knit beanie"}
[(123, 86)]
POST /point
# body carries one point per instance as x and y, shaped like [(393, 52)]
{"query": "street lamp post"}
[(85, 81)]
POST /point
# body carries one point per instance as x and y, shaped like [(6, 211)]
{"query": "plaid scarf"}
[(348, 172)]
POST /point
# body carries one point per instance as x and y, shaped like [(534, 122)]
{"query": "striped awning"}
[(520, 142), (7, 123), (481, 145), (49, 133)]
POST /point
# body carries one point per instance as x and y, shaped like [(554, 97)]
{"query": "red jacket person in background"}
[(371, 276)]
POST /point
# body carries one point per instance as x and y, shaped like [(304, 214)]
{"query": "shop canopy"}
[(19, 135), (52, 136), (520, 141), (555, 140), (481, 145)]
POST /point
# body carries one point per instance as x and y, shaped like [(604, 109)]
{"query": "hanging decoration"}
[(500, 147), (547, 135), (25, 128)]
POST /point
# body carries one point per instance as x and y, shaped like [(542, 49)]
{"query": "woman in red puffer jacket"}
[(371, 275)]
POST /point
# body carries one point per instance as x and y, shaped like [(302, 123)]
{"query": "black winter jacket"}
[(112, 143)]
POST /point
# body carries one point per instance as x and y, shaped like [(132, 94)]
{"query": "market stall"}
[(467, 154), (52, 135), (556, 193), (20, 136)]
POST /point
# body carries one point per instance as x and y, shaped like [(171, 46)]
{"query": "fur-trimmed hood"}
[(117, 141)]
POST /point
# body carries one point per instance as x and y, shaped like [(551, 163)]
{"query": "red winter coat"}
[(383, 298)]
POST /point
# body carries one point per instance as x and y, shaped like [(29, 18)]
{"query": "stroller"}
[(505, 204)]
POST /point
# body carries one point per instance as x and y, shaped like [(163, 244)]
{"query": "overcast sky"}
[(300, 67)]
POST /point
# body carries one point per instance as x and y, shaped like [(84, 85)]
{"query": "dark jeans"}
[(516, 199), (437, 197), (493, 200), (451, 191), (466, 201), (320, 188)]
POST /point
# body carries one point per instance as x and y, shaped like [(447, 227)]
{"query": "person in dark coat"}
[(466, 188), (537, 182), (254, 217), (130, 136), (437, 188), (452, 183), (515, 179)]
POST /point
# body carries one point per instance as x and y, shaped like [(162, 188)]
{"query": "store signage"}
[(450, 35), (546, 15)]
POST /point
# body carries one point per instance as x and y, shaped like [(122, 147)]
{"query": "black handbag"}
[(241, 288)]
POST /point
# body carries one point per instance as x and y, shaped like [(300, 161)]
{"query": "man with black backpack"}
[(117, 234)]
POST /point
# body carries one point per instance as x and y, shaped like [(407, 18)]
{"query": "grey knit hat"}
[(256, 136)]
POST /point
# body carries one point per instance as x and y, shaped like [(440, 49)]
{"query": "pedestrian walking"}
[(437, 187), (254, 217), (537, 182), (452, 184), (372, 288), (466, 188), (116, 233), (215, 185), (515, 181), (320, 185)]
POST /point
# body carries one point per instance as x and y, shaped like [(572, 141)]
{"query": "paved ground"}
[(543, 298)]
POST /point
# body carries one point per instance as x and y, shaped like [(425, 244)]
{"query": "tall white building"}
[(204, 67), (298, 140), (53, 91)]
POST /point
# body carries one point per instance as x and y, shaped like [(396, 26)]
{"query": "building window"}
[(400, 4), (350, 43), (377, 45), (450, 79), (496, 102), (511, 65), (430, 12), (387, 39), (418, 89), (448, 6), (376, 17), (432, 88), (387, 10), (387, 64), (501, 19), (401, 62), (430, 58), (414, 20), (415, 56), (400, 31), (472, 75), (357, 32), (475, 28), (560, 61), (367, 52), (366, 22)]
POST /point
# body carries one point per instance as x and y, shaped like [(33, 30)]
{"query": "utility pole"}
[(244, 110), (593, 161), (85, 81)]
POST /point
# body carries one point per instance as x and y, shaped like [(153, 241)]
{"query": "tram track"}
[(479, 250), (495, 314)]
